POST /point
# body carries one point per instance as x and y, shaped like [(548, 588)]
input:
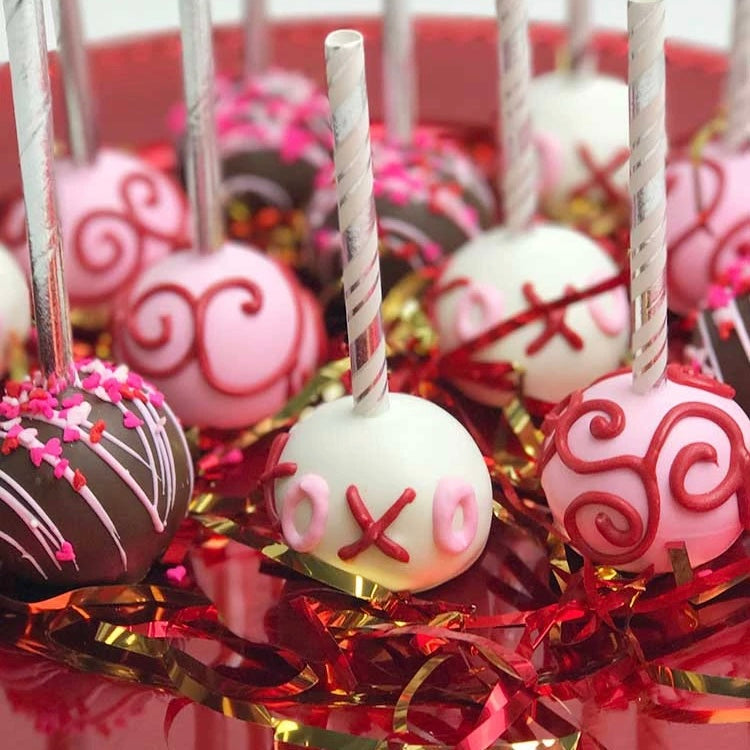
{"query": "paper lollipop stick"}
[(347, 91), (399, 71), (79, 103), (648, 146), (202, 152), (27, 53), (738, 89), (518, 173), (579, 35), (257, 37)]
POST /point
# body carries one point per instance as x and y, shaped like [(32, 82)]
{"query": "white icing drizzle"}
[(708, 349)]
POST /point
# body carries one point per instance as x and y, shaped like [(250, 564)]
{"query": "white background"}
[(705, 21)]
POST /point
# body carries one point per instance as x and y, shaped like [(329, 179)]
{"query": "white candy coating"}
[(553, 259), (569, 111), (414, 445), (15, 309)]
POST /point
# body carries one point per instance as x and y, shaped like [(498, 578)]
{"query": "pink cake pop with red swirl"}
[(118, 214), (430, 197), (709, 222), (223, 330), (639, 464)]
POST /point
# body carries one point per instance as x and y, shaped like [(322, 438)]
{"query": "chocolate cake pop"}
[(118, 214), (639, 464), (581, 123), (721, 346), (15, 307), (429, 195), (708, 219), (356, 484), (273, 137), (512, 272), (223, 330), (95, 473)]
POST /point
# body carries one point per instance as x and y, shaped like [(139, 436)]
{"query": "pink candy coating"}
[(697, 438), (708, 222), (118, 216), (228, 336)]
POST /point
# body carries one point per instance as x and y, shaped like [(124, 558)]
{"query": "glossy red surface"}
[(47, 707)]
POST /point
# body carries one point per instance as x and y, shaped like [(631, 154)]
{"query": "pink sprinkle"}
[(15, 431), (233, 457), (9, 411), (135, 380), (718, 297), (92, 381), (53, 447), (61, 468), (131, 421), (74, 400), (71, 434), (177, 574), (37, 455), (156, 398), (66, 553), (432, 252)]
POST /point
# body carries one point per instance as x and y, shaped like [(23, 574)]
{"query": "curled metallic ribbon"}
[(519, 175), (347, 91), (648, 153)]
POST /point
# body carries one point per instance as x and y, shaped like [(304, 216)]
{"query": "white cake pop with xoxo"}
[(522, 274), (223, 330), (640, 466), (357, 484)]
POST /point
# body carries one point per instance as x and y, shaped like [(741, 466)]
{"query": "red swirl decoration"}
[(196, 350), (617, 521), (101, 238), (724, 242)]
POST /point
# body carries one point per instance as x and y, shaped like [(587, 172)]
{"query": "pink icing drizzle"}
[(450, 495)]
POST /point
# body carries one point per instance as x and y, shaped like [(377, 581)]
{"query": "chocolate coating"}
[(722, 339), (94, 479)]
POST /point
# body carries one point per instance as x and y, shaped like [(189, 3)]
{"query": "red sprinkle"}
[(95, 434), (79, 481)]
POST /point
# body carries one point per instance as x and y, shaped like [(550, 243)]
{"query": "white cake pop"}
[(581, 131), (15, 309), (373, 496), (506, 274)]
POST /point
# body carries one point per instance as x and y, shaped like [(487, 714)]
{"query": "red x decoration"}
[(275, 470), (554, 323), (373, 532), (602, 174)]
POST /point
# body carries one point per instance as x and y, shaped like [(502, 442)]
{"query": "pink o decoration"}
[(450, 495), (609, 311), (488, 300), (313, 489)]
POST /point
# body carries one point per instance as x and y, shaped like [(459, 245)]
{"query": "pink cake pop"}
[(118, 214), (430, 197), (223, 330), (638, 464), (709, 223)]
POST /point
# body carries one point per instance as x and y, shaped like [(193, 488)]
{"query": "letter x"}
[(601, 175), (554, 323), (373, 532)]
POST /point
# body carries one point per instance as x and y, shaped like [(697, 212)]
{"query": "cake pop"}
[(15, 310), (273, 137), (355, 483), (581, 123), (223, 330), (429, 196), (513, 271), (721, 346), (708, 220), (118, 214), (638, 464), (95, 473)]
